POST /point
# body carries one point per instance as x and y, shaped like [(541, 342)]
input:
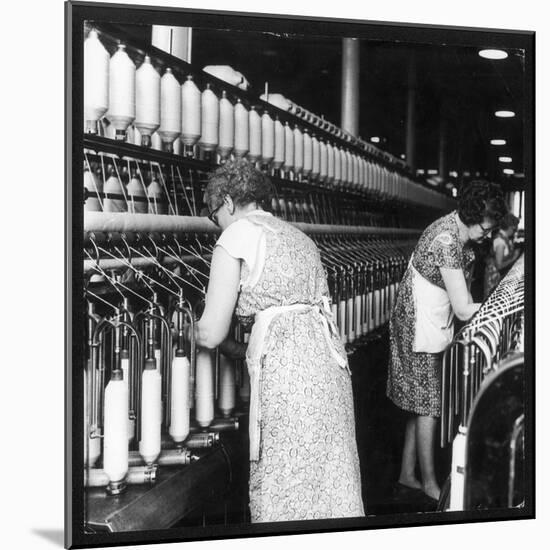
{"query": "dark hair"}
[(508, 220), (479, 199), (241, 181)]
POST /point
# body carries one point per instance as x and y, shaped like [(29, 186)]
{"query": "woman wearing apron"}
[(303, 453), (434, 289)]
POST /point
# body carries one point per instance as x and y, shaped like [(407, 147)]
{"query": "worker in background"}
[(434, 289), (303, 454), (502, 253)]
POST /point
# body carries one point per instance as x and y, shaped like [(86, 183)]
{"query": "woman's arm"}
[(221, 297), (501, 260), (455, 284)]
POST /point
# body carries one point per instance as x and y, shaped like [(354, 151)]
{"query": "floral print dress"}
[(308, 465), (414, 379)]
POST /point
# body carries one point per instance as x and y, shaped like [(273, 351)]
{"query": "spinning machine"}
[(166, 422), (483, 401)]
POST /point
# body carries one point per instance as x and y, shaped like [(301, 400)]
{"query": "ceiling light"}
[(453, 174), (508, 171), (432, 172), (375, 139), (505, 114), (420, 172), (505, 159), (403, 156), (454, 191), (493, 54), (498, 142)]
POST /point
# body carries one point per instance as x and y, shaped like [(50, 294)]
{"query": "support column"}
[(174, 40), (411, 113), (350, 86)]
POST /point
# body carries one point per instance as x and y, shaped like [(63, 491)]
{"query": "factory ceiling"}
[(457, 93)]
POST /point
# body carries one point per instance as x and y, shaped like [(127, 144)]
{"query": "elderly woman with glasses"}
[(303, 454), (434, 290)]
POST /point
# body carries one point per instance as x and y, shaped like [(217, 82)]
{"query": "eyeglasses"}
[(212, 215), (486, 230)]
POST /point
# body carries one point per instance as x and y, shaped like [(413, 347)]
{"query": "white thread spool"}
[(156, 142), (343, 167), (351, 319), (356, 171), (308, 154), (96, 81), (190, 113), (155, 195), (254, 135), (210, 120), (330, 163), (241, 129), (204, 388), (122, 90), (337, 165), (358, 316), (315, 157), (151, 412), (289, 149), (125, 367), (226, 399), (279, 153), (298, 150), (170, 109), (377, 306), (115, 428), (227, 127), (92, 445), (147, 101), (93, 187), (177, 147), (135, 190), (113, 186), (268, 138), (323, 159), (179, 398), (365, 314), (349, 171), (342, 321)]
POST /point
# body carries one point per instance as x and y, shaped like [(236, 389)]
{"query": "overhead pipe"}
[(124, 222)]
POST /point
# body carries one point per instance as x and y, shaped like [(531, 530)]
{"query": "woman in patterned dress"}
[(303, 453), (440, 266), (502, 254)]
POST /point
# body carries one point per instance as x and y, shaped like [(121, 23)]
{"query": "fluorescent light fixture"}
[(505, 159), (453, 174), (432, 172), (505, 114), (420, 171), (498, 142), (375, 139), (508, 171), (493, 54)]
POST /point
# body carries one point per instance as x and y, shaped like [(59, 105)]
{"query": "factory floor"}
[(380, 428)]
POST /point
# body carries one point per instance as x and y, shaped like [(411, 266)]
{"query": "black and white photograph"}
[(300, 274)]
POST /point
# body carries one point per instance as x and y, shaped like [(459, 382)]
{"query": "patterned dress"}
[(308, 466), (414, 379)]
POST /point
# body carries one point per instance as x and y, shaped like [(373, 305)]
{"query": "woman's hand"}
[(233, 349)]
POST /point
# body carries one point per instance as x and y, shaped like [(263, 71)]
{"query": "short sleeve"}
[(446, 251), (245, 241)]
